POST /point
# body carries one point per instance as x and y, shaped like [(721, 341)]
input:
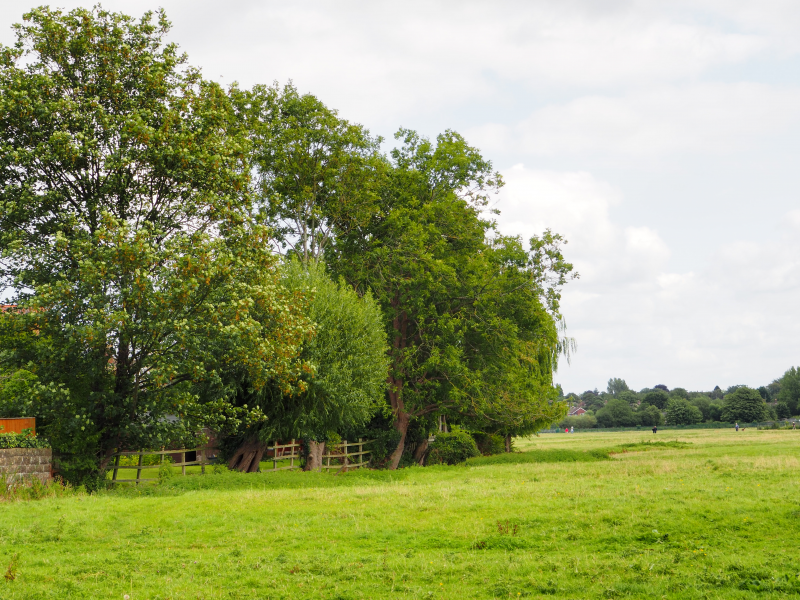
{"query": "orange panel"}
[(17, 425)]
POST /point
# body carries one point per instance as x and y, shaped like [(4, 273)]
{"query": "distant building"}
[(576, 412)]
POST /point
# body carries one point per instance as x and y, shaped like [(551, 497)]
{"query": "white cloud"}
[(728, 322), (697, 118)]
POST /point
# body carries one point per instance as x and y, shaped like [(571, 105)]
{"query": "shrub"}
[(744, 404), (682, 412), (489, 443), (585, 421), (616, 413), (452, 448), (649, 415), (21, 440)]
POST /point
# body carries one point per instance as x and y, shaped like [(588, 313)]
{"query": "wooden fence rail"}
[(338, 456)]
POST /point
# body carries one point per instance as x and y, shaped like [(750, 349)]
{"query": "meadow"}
[(711, 514)]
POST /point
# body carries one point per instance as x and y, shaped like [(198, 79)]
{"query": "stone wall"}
[(24, 463)]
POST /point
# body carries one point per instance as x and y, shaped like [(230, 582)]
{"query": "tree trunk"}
[(421, 451), (315, 452), (508, 443), (401, 421), (247, 457)]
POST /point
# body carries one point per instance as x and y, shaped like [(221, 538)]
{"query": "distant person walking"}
[(737, 426), (572, 429), (655, 429)]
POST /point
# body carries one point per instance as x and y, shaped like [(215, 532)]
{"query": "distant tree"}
[(581, 422), (657, 398), (789, 392), (630, 397), (592, 401), (616, 385), (744, 405), (649, 415), (774, 388), (715, 411), (682, 412), (661, 386), (764, 391), (782, 410), (616, 413), (733, 388), (703, 403), (717, 393), (679, 392)]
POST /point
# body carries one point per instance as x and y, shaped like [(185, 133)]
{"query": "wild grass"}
[(714, 518)]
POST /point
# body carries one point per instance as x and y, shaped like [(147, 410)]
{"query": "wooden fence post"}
[(139, 471), (344, 460), (291, 456), (183, 461)]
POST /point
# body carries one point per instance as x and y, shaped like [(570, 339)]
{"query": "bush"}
[(21, 440), (489, 443), (682, 412), (649, 415), (452, 448), (616, 413), (585, 421), (744, 404)]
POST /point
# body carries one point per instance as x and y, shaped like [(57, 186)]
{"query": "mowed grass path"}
[(717, 519)]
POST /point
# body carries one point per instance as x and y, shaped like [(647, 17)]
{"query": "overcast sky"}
[(661, 138)]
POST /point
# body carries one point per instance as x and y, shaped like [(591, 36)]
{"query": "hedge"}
[(21, 440)]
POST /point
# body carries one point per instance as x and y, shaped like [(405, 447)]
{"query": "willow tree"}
[(345, 383), (124, 229)]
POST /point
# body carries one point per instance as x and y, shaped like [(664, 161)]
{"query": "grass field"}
[(715, 517)]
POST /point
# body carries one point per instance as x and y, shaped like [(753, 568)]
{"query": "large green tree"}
[(124, 229), (789, 393), (744, 405), (346, 380), (472, 318), (318, 175)]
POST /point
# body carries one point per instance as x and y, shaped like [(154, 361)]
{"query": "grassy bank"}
[(712, 517)]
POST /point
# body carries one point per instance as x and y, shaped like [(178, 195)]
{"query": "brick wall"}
[(26, 462)]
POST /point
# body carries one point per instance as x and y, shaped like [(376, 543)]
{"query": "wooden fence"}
[(341, 457), (338, 456), (200, 459)]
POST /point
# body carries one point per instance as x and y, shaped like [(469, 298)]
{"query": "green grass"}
[(714, 516)]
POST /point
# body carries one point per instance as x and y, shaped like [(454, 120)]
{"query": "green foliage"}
[(782, 410), (452, 448), (616, 385), (584, 421), (616, 413), (318, 175), (681, 412), (657, 398), (125, 228), (346, 381), (649, 416), (789, 392), (17, 390), (679, 392), (744, 405), (22, 440), (472, 317), (628, 396), (489, 443)]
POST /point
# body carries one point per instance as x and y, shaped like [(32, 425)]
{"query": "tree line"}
[(183, 256), (619, 406)]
